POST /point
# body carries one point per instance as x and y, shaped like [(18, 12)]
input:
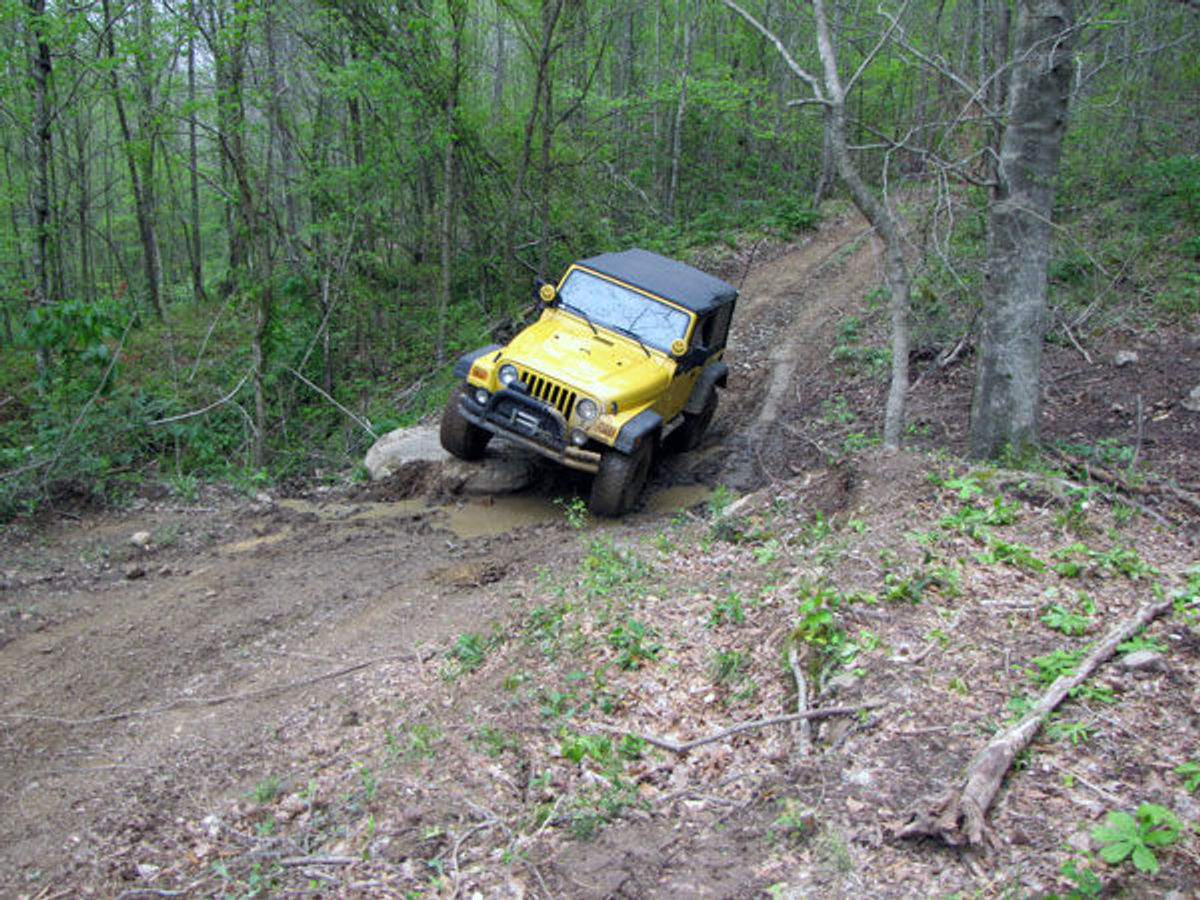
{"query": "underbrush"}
[(654, 685)]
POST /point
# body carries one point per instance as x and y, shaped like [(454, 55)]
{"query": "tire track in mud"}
[(783, 329)]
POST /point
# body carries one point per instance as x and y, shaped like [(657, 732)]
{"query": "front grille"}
[(557, 395), (525, 417)]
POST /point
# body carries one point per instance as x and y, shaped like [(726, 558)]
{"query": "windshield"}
[(607, 303)]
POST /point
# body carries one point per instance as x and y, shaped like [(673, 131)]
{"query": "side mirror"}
[(678, 347), (547, 292)]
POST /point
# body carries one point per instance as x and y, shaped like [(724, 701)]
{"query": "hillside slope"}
[(361, 695)]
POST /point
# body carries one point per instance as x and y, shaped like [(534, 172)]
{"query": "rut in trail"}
[(783, 333)]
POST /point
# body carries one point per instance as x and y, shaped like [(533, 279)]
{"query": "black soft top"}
[(668, 278)]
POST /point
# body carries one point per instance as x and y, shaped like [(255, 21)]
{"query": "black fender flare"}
[(711, 378), (646, 423), (462, 368)]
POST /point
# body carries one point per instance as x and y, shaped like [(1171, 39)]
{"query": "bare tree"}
[(830, 94), (1006, 403)]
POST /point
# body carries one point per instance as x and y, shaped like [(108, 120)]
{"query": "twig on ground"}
[(293, 861), (805, 729), (203, 701), (676, 747), (958, 816)]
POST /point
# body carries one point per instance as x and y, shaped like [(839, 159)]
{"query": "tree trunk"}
[(1006, 404), (880, 215), (40, 69), (680, 113), (143, 198), (194, 244)]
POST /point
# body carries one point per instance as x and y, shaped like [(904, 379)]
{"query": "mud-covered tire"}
[(461, 438), (691, 432), (619, 482)]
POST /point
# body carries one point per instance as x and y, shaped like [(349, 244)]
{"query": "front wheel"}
[(461, 438), (691, 432), (620, 480)]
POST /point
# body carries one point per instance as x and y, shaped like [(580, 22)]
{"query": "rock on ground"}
[(505, 468)]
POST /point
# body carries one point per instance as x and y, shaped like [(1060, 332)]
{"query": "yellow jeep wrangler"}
[(626, 354)]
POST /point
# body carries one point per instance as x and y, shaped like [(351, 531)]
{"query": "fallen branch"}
[(294, 861), (676, 747), (199, 412), (801, 697), (357, 419), (958, 816), (1152, 488)]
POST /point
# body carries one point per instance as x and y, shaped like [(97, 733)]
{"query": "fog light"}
[(578, 437), (481, 396)]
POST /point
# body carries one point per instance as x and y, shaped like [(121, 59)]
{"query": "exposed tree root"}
[(958, 816)]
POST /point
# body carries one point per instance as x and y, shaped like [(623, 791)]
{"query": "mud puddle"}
[(491, 516)]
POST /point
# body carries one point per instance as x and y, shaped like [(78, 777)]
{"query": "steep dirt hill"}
[(362, 693)]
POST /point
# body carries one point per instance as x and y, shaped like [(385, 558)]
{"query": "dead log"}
[(958, 816)]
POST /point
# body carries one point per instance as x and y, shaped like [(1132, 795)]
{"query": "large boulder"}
[(505, 468)]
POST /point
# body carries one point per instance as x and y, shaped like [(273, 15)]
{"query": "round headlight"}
[(587, 410), (507, 374)]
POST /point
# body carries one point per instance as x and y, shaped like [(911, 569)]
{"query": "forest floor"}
[(381, 690)]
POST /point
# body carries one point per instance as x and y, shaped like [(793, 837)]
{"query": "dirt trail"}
[(132, 693), (140, 688), (788, 309)]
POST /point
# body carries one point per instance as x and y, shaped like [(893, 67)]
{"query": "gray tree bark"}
[(1006, 405)]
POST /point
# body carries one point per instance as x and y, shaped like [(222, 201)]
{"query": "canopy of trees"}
[(331, 198)]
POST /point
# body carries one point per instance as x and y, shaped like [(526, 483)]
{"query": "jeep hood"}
[(604, 364)]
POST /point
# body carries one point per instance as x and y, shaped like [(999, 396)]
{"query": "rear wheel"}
[(620, 480), (691, 432), (461, 438)]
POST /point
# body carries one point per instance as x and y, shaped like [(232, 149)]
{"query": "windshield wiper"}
[(584, 316), (628, 333)]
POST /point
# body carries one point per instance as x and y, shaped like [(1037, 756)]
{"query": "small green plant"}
[(631, 747), (635, 643), (1075, 732), (1137, 836), (727, 666), (420, 742), (1140, 642), (1065, 621), (1014, 554), (719, 501), (727, 611), (1085, 883), (1190, 773), (575, 510), (794, 823), (493, 741), (577, 747), (370, 784), (607, 566), (1049, 668), (266, 790), (468, 652)]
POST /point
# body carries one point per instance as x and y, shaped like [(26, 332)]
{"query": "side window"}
[(715, 327)]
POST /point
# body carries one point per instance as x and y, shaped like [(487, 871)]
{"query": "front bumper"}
[(530, 423)]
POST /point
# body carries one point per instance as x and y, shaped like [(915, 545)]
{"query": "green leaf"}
[(1144, 861), (1113, 853)]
